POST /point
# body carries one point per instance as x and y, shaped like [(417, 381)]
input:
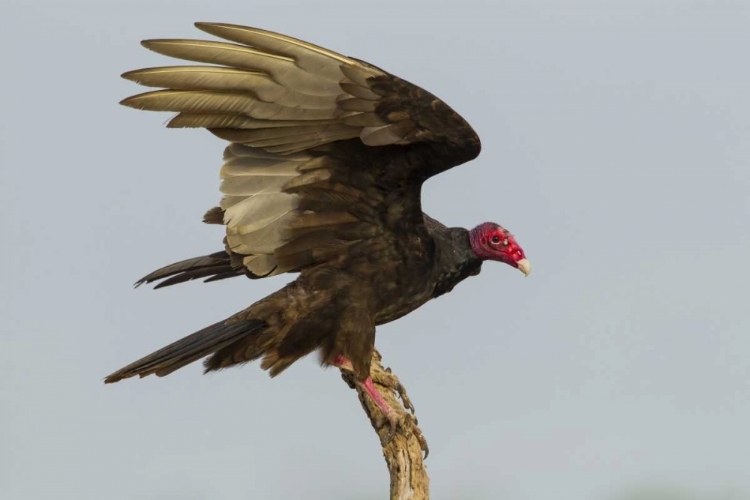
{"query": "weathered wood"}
[(402, 451)]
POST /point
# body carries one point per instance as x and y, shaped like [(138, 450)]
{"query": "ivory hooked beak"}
[(524, 266)]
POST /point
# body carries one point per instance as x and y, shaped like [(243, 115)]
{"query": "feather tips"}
[(307, 56), (282, 69), (223, 79)]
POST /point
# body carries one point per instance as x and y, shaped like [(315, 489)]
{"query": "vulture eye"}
[(496, 239)]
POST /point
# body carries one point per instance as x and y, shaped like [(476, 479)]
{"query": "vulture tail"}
[(191, 348), (214, 267)]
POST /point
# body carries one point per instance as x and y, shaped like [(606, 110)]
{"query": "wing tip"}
[(114, 377), (132, 102), (205, 25), (148, 43), (210, 27)]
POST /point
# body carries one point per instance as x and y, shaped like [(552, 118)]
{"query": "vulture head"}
[(491, 241)]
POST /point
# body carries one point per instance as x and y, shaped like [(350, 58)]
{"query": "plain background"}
[(616, 148)]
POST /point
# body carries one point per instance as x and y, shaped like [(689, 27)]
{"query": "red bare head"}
[(491, 241)]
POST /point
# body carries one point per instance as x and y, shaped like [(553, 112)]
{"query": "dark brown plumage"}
[(323, 178)]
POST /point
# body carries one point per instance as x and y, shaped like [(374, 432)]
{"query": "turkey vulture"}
[(322, 177)]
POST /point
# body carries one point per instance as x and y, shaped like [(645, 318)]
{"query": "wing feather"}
[(300, 180), (282, 69), (212, 101), (307, 56), (223, 79)]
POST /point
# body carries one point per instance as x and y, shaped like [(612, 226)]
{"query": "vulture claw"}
[(389, 416), (393, 421), (420, 438), (389, 380)]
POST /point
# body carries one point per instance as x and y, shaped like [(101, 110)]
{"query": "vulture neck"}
[(455, 260)]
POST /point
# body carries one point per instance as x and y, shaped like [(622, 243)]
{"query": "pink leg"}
[(341, 362), (369, 387)]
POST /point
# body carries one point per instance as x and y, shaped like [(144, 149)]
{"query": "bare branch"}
[(403, 453)]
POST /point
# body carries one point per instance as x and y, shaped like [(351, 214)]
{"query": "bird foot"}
[(392, 419), (389, 416), (408, 422), (419, 436), (388, 379)]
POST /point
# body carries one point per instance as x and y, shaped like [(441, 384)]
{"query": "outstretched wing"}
[(325, 150)]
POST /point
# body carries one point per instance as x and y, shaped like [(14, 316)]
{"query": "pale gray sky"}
[(616, 146)]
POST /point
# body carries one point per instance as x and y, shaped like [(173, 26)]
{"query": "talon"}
[(422, 441), (393, 422), (388, 415), (387, 379), (405, 399)]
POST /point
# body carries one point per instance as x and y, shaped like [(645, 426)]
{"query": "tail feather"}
[(188, 349), (221, 276), (210, 273), (214, 267)]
